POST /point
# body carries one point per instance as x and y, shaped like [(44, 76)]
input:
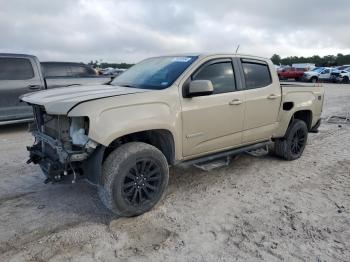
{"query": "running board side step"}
[(16, 121), (199, 162)]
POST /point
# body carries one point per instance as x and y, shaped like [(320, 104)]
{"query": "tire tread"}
[(112, 165)]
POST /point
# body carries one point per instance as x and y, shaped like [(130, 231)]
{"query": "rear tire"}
[(134, 178), (345, 80), (291, 147)]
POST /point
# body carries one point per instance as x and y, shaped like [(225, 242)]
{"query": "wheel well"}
[(304, 115), (159, 138)]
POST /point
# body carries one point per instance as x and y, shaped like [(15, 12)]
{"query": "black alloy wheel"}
[(142, 183), (292, 145), (298, 142), (134, 178)]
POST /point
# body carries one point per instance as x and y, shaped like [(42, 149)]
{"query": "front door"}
[(325, 74), (17, 77), (213, 122)]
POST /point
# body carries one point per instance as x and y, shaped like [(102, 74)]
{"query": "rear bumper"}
[(306, 78)]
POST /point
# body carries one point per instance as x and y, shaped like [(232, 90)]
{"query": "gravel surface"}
[(257, 208)]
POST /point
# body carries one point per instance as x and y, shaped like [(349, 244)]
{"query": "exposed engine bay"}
[(61, 144)]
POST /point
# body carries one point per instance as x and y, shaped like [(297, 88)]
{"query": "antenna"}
[(237, 48)]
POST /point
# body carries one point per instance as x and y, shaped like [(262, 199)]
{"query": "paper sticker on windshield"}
[(183, 59)]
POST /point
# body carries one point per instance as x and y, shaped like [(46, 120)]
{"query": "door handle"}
[(34, 87), (272, 96), (235, 102)]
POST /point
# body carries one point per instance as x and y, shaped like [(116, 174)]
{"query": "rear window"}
[(257, 74), (81, 71), (53, 70), (15, 69)]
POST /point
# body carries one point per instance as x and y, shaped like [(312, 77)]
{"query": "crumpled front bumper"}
[(55, 161), (59, 164), (51, 167)]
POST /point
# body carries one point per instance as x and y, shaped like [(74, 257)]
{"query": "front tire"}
[(314, 79), (134, 178), (291, 147)]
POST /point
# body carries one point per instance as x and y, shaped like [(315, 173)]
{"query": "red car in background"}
[(291, 73)]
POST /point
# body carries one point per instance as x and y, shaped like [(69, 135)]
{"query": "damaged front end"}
[(61, 145)]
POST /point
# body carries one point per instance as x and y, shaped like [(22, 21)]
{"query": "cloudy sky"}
[(116, 31)]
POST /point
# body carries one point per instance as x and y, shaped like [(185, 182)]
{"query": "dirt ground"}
[(257, 208)]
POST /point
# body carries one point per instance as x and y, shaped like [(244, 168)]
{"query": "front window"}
[(220, 74), (155, 73)]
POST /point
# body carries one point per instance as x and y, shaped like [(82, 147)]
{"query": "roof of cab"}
[(60, 63), (16, 55), (206, 54)]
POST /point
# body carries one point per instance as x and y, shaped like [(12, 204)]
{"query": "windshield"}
[(317, 69), (342, 67), (154, 73)]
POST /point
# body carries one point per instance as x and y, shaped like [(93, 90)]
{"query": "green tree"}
[(328, 60), (276, 59)]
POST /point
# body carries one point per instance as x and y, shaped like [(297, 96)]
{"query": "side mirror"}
[(200, 88)]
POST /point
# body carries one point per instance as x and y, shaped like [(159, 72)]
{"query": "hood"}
[(341, 72), (61, 100)]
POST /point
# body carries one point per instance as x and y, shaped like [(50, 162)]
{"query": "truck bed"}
[(288, 88)]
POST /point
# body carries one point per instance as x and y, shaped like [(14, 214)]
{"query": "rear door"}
[(262, 99), (18, 75), (213, 122)]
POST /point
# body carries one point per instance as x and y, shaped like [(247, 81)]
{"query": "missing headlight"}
[(79, 130)]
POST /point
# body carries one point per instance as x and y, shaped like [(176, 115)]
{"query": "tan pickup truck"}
[(165, 111)]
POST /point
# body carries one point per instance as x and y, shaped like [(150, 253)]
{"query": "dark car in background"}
[(21, 74), (70, 69)]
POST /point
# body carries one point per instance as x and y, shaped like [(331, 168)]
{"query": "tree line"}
[(105, 65), (328, 60)]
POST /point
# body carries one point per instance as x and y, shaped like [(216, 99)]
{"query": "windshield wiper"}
[(127, 86)]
